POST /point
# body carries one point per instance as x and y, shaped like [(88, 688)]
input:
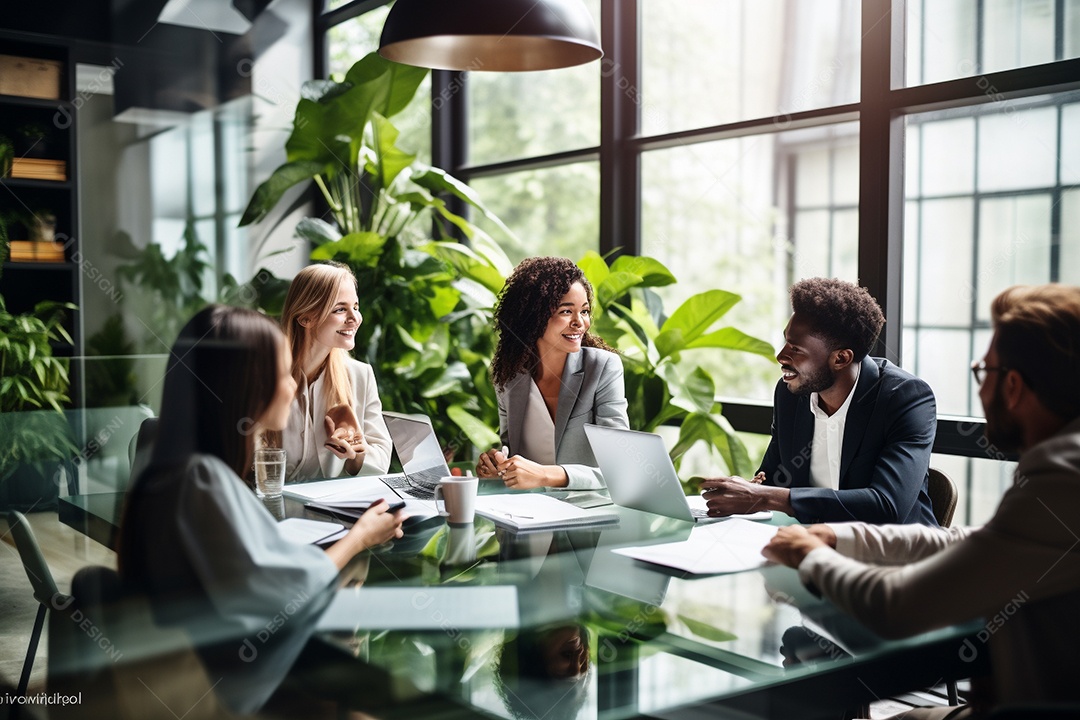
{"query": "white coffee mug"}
[(458, 495)]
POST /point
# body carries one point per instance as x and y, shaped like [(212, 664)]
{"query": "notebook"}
[(303, 531), (639, 475), (524, 512)]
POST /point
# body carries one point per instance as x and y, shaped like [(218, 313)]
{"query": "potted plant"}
[(7, 156), (663, 384), (426, 298), (33, 140), (35, 438)]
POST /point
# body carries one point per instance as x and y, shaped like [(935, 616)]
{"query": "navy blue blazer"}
[(884, 460)]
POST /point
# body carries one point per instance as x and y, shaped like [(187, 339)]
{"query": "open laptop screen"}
[(416, 444)]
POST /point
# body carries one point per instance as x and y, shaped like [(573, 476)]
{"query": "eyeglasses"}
[(979, 370)]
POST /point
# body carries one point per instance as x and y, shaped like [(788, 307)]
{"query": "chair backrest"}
[(37, 570), (942, 491), (106, 647), (142, 447)]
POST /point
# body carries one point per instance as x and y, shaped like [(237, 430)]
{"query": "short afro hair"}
[(840, 313)]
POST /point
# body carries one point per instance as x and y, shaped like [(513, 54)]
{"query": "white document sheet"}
[(422, 608), (728, 546), (303, 531), (350, 488), (523, 512)]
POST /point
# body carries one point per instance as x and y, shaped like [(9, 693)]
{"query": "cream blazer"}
[(305, 456)]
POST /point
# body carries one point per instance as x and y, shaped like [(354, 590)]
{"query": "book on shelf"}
[(39, 169), (525, 512), (36, 251)]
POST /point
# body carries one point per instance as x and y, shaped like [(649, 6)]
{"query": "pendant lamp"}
[(493, 35)]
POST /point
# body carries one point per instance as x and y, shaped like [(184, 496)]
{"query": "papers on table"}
[(422, 608), (358, 489), (524, 512), (349, 488), (729, 546), (305, 532)]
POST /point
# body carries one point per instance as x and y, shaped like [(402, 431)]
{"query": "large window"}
[(930, 151)]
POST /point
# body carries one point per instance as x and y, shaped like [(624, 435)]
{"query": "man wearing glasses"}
[(851, 434), (1021, 571)]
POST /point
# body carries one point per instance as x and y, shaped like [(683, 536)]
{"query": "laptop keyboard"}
[(699, 513), (419, 485)]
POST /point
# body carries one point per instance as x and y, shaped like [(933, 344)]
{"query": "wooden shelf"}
[(38, 184), (67, 266), (34, 102)]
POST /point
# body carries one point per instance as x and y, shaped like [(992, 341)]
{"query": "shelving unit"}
[(24, 284)]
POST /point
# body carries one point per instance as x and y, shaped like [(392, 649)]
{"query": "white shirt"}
[(219, 567), (538, 436), (829, 440), (306, 456)]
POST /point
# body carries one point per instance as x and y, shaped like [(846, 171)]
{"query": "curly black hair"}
[(526, 303), (844, 315)]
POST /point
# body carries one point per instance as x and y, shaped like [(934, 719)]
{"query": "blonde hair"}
[(311, 297)]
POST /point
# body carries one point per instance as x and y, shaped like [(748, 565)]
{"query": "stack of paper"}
[(729, 546), (523, 512)]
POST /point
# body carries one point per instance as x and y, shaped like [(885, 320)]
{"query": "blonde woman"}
[(335, 425)]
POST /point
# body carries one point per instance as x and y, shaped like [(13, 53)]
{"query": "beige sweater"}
[(1020, 573)]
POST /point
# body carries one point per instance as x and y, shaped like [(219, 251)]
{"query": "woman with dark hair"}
[(195, 539), (551, 377)]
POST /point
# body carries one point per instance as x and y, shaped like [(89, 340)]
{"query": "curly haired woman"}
[(551, 377)]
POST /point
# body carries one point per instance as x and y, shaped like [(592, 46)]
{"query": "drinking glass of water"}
[(269, 472)]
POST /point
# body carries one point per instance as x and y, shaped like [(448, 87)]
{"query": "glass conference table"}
[(596, 634)]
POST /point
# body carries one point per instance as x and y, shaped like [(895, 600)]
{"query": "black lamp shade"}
[(493, 35)]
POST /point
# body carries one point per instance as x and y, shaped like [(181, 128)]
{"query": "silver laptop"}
[(639, 473), (421, 457)]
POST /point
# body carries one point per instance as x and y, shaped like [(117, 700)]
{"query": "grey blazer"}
[(592, 392)]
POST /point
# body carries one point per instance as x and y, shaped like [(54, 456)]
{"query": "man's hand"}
[(824, 533), (791, 544), (735, 496)]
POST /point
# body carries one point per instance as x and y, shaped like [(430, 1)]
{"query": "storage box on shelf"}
[(30, 77)]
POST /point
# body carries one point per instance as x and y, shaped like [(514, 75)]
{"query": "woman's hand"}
[(524, 474), (375, 527), (343, 437), (489, 463)]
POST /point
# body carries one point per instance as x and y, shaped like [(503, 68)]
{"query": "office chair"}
[(141, 447), (129, 668), (41, 580), (942, 492)]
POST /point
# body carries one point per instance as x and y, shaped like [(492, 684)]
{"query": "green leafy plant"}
[(663, 384), (171, 287), (110, 376), (426, 298), (32, 378), (7, 156)]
